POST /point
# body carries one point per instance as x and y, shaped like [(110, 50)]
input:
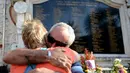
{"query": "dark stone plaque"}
[(97, 26)]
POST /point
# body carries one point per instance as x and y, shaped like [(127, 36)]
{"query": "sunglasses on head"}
[(57, 43)]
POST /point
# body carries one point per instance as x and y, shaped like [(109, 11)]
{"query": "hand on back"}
[(60, 59)]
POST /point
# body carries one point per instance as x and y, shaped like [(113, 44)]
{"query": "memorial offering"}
[(88, 61), (118, 67)]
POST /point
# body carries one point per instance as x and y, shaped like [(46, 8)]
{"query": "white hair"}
[(70, 31)]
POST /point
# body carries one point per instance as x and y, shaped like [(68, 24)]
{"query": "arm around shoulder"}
[(15, 57), (19, 56)]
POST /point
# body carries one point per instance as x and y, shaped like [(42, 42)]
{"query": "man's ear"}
[(46, 40), (53, 45)]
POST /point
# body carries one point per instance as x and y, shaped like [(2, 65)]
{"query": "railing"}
[(107, 62), (108, 70)]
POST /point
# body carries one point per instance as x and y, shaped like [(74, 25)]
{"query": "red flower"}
[(82, 60)]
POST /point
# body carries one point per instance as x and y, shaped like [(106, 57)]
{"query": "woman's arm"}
[(76, 56), (18, 56), (76, 66), (57, 58)]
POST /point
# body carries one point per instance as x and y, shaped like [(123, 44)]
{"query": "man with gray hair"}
[(63, 33), (60, 34)]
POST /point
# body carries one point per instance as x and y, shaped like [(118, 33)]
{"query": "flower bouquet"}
[(98, 69), (88, 62), (118, 67)]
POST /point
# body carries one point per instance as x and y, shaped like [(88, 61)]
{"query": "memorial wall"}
[(97, 25)]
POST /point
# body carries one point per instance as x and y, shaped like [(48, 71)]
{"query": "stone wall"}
[(10, 31), (7, 29)]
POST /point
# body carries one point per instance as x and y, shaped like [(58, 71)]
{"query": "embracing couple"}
[(45, 52)]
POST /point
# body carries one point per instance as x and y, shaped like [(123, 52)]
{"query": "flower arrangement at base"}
[(98, 69), (118, 67), (88, 63)]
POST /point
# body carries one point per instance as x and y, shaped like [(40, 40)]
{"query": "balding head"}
[(63, 32)]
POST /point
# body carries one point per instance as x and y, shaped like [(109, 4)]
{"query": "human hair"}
[(70, 31), (33, 33)]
